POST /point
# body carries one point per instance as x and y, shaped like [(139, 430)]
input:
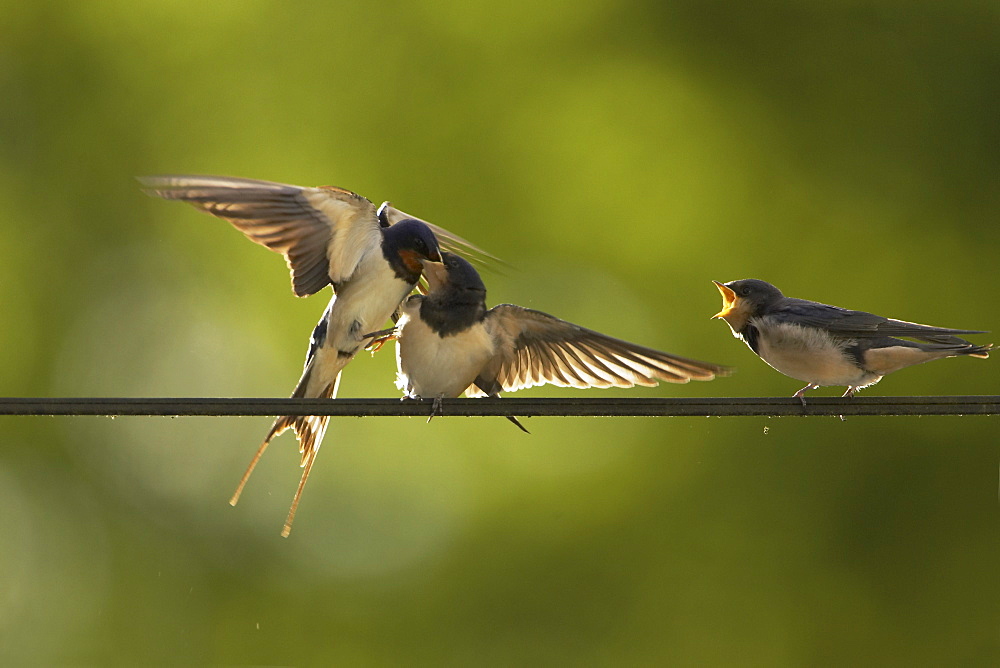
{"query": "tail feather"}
[(517, 423), (983, 352), (953, 349), (309, 430)]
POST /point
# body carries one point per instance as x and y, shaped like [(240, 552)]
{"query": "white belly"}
[(807, 354), (429, 366), (364, 304)]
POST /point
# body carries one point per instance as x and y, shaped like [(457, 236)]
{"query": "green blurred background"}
[(620, 156)]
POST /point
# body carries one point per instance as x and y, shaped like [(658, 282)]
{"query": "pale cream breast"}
[(807, 354), (431, 366)]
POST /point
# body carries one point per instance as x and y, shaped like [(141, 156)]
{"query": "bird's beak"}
[(436, 274), (729, 300)]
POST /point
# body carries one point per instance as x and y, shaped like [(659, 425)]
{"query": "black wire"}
[(520, 407)]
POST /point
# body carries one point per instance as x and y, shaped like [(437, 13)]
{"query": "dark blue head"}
[(457, 297), (755, 290), (744, 299), (456, 276), (405, 244)]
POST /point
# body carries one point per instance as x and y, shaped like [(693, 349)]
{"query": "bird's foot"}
[(435, 403), (848, 394), (379, 339), (800, 395), (437, 407)]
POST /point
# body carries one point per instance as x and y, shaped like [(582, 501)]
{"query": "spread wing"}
[(859, 324), (534, 348), (322, 232), (390, 215)]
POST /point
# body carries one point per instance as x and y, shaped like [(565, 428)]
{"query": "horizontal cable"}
[(520, 407)]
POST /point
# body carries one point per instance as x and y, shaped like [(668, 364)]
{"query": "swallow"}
[(329, 236), (448, 343), (828, 345)]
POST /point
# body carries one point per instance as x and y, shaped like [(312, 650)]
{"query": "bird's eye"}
[(745, 291), (421, 246)]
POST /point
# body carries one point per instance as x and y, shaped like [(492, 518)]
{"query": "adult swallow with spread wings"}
[(449, 343), (829, 345), (372, 258)]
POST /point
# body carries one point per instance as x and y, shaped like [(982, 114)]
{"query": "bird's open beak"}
[(729, 300), (435, 273)]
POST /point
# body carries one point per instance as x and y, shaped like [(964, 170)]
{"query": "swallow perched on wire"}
[(372, 258), (448, 342), (829, 345)]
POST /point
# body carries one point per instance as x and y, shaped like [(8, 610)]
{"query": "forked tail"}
[(309, 430), (982, 352)]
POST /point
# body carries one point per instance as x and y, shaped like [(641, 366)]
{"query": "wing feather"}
[(861, 324), (534, 348), (448, 241), (600, 368), (322, 232)]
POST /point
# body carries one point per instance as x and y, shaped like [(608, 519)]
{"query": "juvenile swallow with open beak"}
[(372, 258), (829, 345), (448, 342)]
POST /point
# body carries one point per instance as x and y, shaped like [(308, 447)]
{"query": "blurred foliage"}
[(621, 156)]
